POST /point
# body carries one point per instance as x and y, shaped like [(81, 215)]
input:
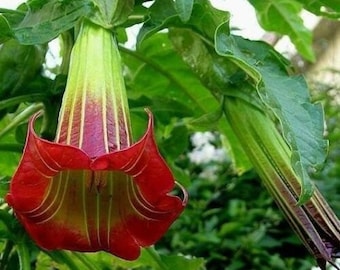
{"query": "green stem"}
[(11, 147), (314, 222), (24, 256), (155, 256), (134, 19), (21, 117), (5, 255), (19, 99)]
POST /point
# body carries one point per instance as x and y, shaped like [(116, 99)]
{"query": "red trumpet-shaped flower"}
[(92, 189)]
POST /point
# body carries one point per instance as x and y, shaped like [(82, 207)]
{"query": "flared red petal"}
[(117, 202)]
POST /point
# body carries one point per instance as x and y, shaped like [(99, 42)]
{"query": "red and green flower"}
[(92, 188)]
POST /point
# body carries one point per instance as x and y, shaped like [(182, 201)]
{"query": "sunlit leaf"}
[(184, 9), (282, 16), (287, 96), (327, 8), (45, 22), (111, 13), (204, 17)]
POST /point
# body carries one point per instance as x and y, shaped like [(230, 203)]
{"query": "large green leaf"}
[(161, 13), (214, 74), (157, 78), (156, 74), (160, 74), (45, 21), (20, 66), (184, 9), (167, 13), (5, 29), (111, 12), (327, 8), (9, 19), (283, 17), (287, 96)]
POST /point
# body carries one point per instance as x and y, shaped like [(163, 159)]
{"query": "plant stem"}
[(19, 99), (5, 254), (314, 221), (21, 117), (24, 256), (11, 147)]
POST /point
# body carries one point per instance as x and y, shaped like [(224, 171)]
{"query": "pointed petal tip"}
[(184, 194)]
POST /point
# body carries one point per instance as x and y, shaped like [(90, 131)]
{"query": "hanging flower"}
[(313, 221), (92, 189)]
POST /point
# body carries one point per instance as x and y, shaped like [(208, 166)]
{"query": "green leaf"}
[(45, 22), (20, 65), (8, 19), (159, 74), (150, 259), (145, 260), (208, 121), (184, 9), (181, 262), (165, 13), (165, 108), (21, 116), (175, 140), (161, 13), (8, 159), (5, 29), (111, 12), (283, 17), (8, 163), (4, 185), (288, 97), (327, 8), (206, 18), (214, 74)]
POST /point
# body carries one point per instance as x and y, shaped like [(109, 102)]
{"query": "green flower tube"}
[(314, 222)]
